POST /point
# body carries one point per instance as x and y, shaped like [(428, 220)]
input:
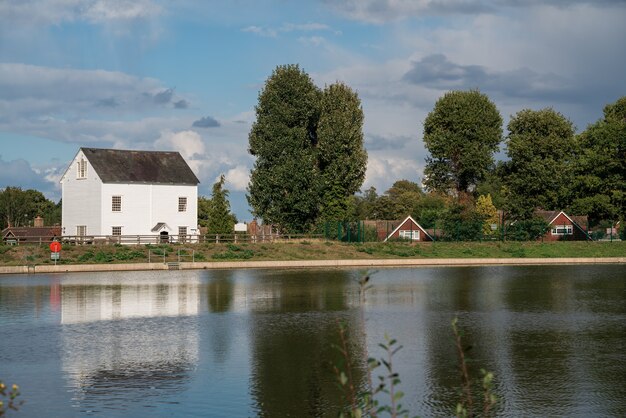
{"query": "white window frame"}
[(563, 230), (182, 203), (116, 231), (81, 169), (114, 207), (413, 235), (81, 230)]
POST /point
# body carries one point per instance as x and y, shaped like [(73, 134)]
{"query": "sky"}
[(185, 75)]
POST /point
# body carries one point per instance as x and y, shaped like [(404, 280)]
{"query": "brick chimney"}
[(38, 223)]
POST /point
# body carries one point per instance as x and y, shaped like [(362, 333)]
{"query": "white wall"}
[(165, 207), (145, 205), (81, 200)]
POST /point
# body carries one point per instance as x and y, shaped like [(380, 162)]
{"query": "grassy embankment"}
[(305, 250)]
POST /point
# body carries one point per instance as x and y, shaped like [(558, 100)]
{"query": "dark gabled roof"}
[(30, 233), (550, 215), (126, 166)]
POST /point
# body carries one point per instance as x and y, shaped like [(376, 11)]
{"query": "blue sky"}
[(185, 75)]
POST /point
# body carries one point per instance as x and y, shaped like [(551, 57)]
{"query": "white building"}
[(110, 192)]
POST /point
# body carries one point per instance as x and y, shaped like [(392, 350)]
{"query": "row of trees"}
[(548, 166), (310, 159)]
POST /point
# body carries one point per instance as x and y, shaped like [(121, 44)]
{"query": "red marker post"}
[(55, 247)]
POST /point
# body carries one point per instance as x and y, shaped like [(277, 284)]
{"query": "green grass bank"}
[(304, 250)]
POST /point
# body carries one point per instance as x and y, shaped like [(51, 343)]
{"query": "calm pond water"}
[(248, 343)]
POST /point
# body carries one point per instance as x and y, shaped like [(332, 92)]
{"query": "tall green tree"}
[(284, 182), (221, 220), (541, 149), (461, 133), (600, 169), (309, 151), (342, 157)]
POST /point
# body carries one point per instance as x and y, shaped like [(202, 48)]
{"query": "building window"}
[(116, 230), (412, 235), (81, 169), (81, 230), (182, 204), (562, 230), (116, 203)]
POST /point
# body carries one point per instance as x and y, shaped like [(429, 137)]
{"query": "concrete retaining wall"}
[(429, 262)]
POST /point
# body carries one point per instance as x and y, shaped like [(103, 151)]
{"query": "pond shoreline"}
[(294, 264)]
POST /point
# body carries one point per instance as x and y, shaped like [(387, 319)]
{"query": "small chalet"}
[(108, 192), (30, 234), (563, 227), (409, 230)]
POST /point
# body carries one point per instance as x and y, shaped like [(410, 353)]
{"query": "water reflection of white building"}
[(87, 303), (123, 340)]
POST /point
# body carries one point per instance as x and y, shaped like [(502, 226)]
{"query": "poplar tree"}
[(342, 157), (309, 151), (284, 182)]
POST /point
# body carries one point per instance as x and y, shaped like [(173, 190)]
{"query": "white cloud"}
[(188, 143), (270, 32), (384, 11), (55, 12), (238, 178)]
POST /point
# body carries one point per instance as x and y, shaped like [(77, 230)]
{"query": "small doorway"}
[(164, 237)]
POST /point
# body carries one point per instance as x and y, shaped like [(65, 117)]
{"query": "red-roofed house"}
[(563, 227), (409, 230)]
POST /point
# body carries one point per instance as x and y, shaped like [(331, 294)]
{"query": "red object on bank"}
[(55, 246)]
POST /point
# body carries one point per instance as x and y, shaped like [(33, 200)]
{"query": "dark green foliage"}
[(309, 151), (342, 157), (20, 207), (86, 256), (527, 229), (493, 184), (600, 170), (220, 219), (462, 223), (403, 198), (461, 133), (204, 207), (284, 183), (541, 149)]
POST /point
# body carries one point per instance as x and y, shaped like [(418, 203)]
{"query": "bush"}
[(86, 256), (527, 230)]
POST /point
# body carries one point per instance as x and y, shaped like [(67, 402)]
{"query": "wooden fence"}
[(159, 239)]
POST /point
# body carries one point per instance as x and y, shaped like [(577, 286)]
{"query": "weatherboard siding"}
[(81, 200), (165, 207)]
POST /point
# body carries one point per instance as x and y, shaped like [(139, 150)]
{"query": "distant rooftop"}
[(127, 166)]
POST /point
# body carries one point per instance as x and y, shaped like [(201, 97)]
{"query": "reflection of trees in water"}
[(220, 293), (292, 334), (15, 301), (466, 293)]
